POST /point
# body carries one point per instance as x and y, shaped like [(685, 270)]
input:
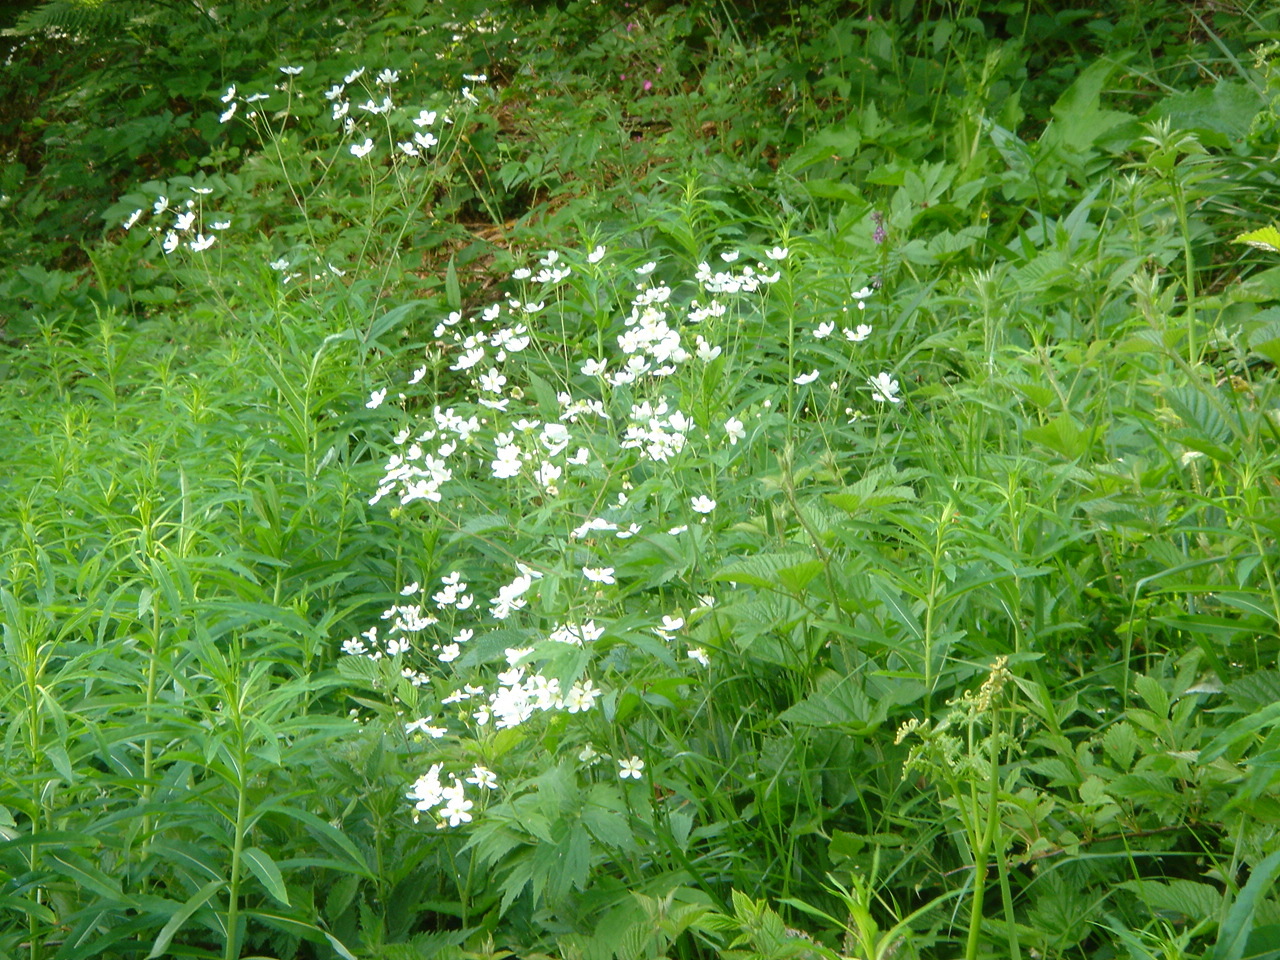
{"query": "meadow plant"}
[(593, 456), (438, 586)]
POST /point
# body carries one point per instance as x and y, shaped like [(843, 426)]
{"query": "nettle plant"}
[(574, 498)]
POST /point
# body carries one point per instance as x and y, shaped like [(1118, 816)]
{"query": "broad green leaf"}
[(1195, 901), (1064, 436), (265, 869), (1241, 730), (1235, 930), (1264, 238), (179, 919)]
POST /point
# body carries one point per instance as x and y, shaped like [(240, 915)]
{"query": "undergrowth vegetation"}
[(623, 481)]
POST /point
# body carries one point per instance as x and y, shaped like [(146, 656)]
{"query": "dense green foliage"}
[(619, 481)]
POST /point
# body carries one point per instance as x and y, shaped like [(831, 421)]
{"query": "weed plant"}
[(642, 482)]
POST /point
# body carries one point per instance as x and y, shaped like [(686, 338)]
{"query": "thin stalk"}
[(1189, 278), (232, 948)]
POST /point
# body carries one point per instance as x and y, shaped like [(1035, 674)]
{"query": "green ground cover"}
[(621, 481)]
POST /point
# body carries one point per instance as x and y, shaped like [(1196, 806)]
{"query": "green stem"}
[(232, 949)]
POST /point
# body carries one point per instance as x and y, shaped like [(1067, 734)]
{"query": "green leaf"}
[(1224, 111), (452, 291), (1264, 238), (1195, 901), (839, 701), (1242, 729), (1235, 930), (763, 570), (265, 869), (176, 922), (1064, 436)]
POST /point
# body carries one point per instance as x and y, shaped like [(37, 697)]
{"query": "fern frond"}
[(84, 17)]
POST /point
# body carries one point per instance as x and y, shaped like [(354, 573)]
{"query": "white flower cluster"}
[(516, 442), (185, 223), (417, 474), (657, 431), (747, 280), (449, 804)]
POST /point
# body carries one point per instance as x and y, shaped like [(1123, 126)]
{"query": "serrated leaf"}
[(1256, 689), (1266, 238), (1198, 410), (1064, 436), (839, 701), (1152, 694), (1121, 744), (763, 570), (1195, 901)]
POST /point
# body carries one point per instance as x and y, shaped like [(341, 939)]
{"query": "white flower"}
[(228, 113), (630, 768), (483, 777), (492, 382), (824, 330), (376, 398), (476, 77), (425, 140), (388, 76), (334, 92), (469, 96), (202, 243), (161, 205), (734, 428), (804, 378), (884, 388), (857, 336), (230, 94), (647, 269), (777, 253), (425, 118), (596, 255), (354, 647), (408, 149), (281, 264), (170, 243), (582, 696), (291, 71), (729, 256), (455, 811), (362, 149), (354, 75), (132, 219), (220, 225), (599, 574), (424, 726), (700, 655), (702, 504)]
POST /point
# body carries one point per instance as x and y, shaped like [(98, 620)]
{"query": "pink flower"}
[(648, 85)]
